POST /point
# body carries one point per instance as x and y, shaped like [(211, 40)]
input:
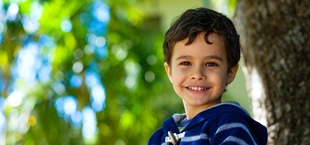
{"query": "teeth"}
[(197, 88)]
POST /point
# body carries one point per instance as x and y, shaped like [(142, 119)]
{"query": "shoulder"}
[(233, 127), (232, 116), (231, 123), (224, 110), (231, 113)]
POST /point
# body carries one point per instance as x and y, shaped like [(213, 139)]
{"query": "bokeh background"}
[(90, 71)]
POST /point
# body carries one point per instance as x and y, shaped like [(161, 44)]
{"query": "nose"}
[(198, 74)]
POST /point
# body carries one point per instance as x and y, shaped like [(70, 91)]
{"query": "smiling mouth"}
[(197, 88)]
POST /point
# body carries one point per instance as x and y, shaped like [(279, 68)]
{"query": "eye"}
[(185, 63), (211, 64)]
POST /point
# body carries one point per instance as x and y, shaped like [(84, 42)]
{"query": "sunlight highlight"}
[(257, 92), (30, 25), (15, 98), (12, 11), (98, 98), (66, 25), (133, 69), (89, 128), (70, 105), (2, 116)]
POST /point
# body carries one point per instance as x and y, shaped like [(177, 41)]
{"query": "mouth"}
[(195, 88)]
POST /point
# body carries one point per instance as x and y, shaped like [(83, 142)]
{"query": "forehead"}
[(200, 48)]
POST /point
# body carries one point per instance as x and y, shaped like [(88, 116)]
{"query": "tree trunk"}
[(275, 39)]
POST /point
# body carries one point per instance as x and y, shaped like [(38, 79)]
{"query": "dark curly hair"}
[(194, 21)]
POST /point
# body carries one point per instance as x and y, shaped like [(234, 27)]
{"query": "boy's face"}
[(199, 72)]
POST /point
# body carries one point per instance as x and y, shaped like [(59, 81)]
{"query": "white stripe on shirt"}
[(235, 140), (235, 125), (195, 138)]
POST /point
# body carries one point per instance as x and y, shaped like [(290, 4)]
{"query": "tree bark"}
[(275, 39)]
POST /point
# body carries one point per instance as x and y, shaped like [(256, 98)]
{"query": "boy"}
[(201, 52)]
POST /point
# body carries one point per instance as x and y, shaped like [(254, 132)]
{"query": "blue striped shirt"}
[(222, 124)]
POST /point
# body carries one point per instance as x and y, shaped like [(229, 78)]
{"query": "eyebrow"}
[(208, 57), (183, 57)]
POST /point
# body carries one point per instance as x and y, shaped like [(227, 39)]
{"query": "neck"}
[(192, 111)]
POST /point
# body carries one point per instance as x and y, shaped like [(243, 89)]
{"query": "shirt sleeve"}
[(157, 138)]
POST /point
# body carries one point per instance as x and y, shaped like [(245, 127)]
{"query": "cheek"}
[(218, 78), (181, 72), (178, 77), (175, 72)]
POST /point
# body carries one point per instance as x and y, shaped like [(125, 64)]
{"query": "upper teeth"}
[(197, 88)]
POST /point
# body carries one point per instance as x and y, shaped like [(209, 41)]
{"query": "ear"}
[(232, 73), (168, 71)]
